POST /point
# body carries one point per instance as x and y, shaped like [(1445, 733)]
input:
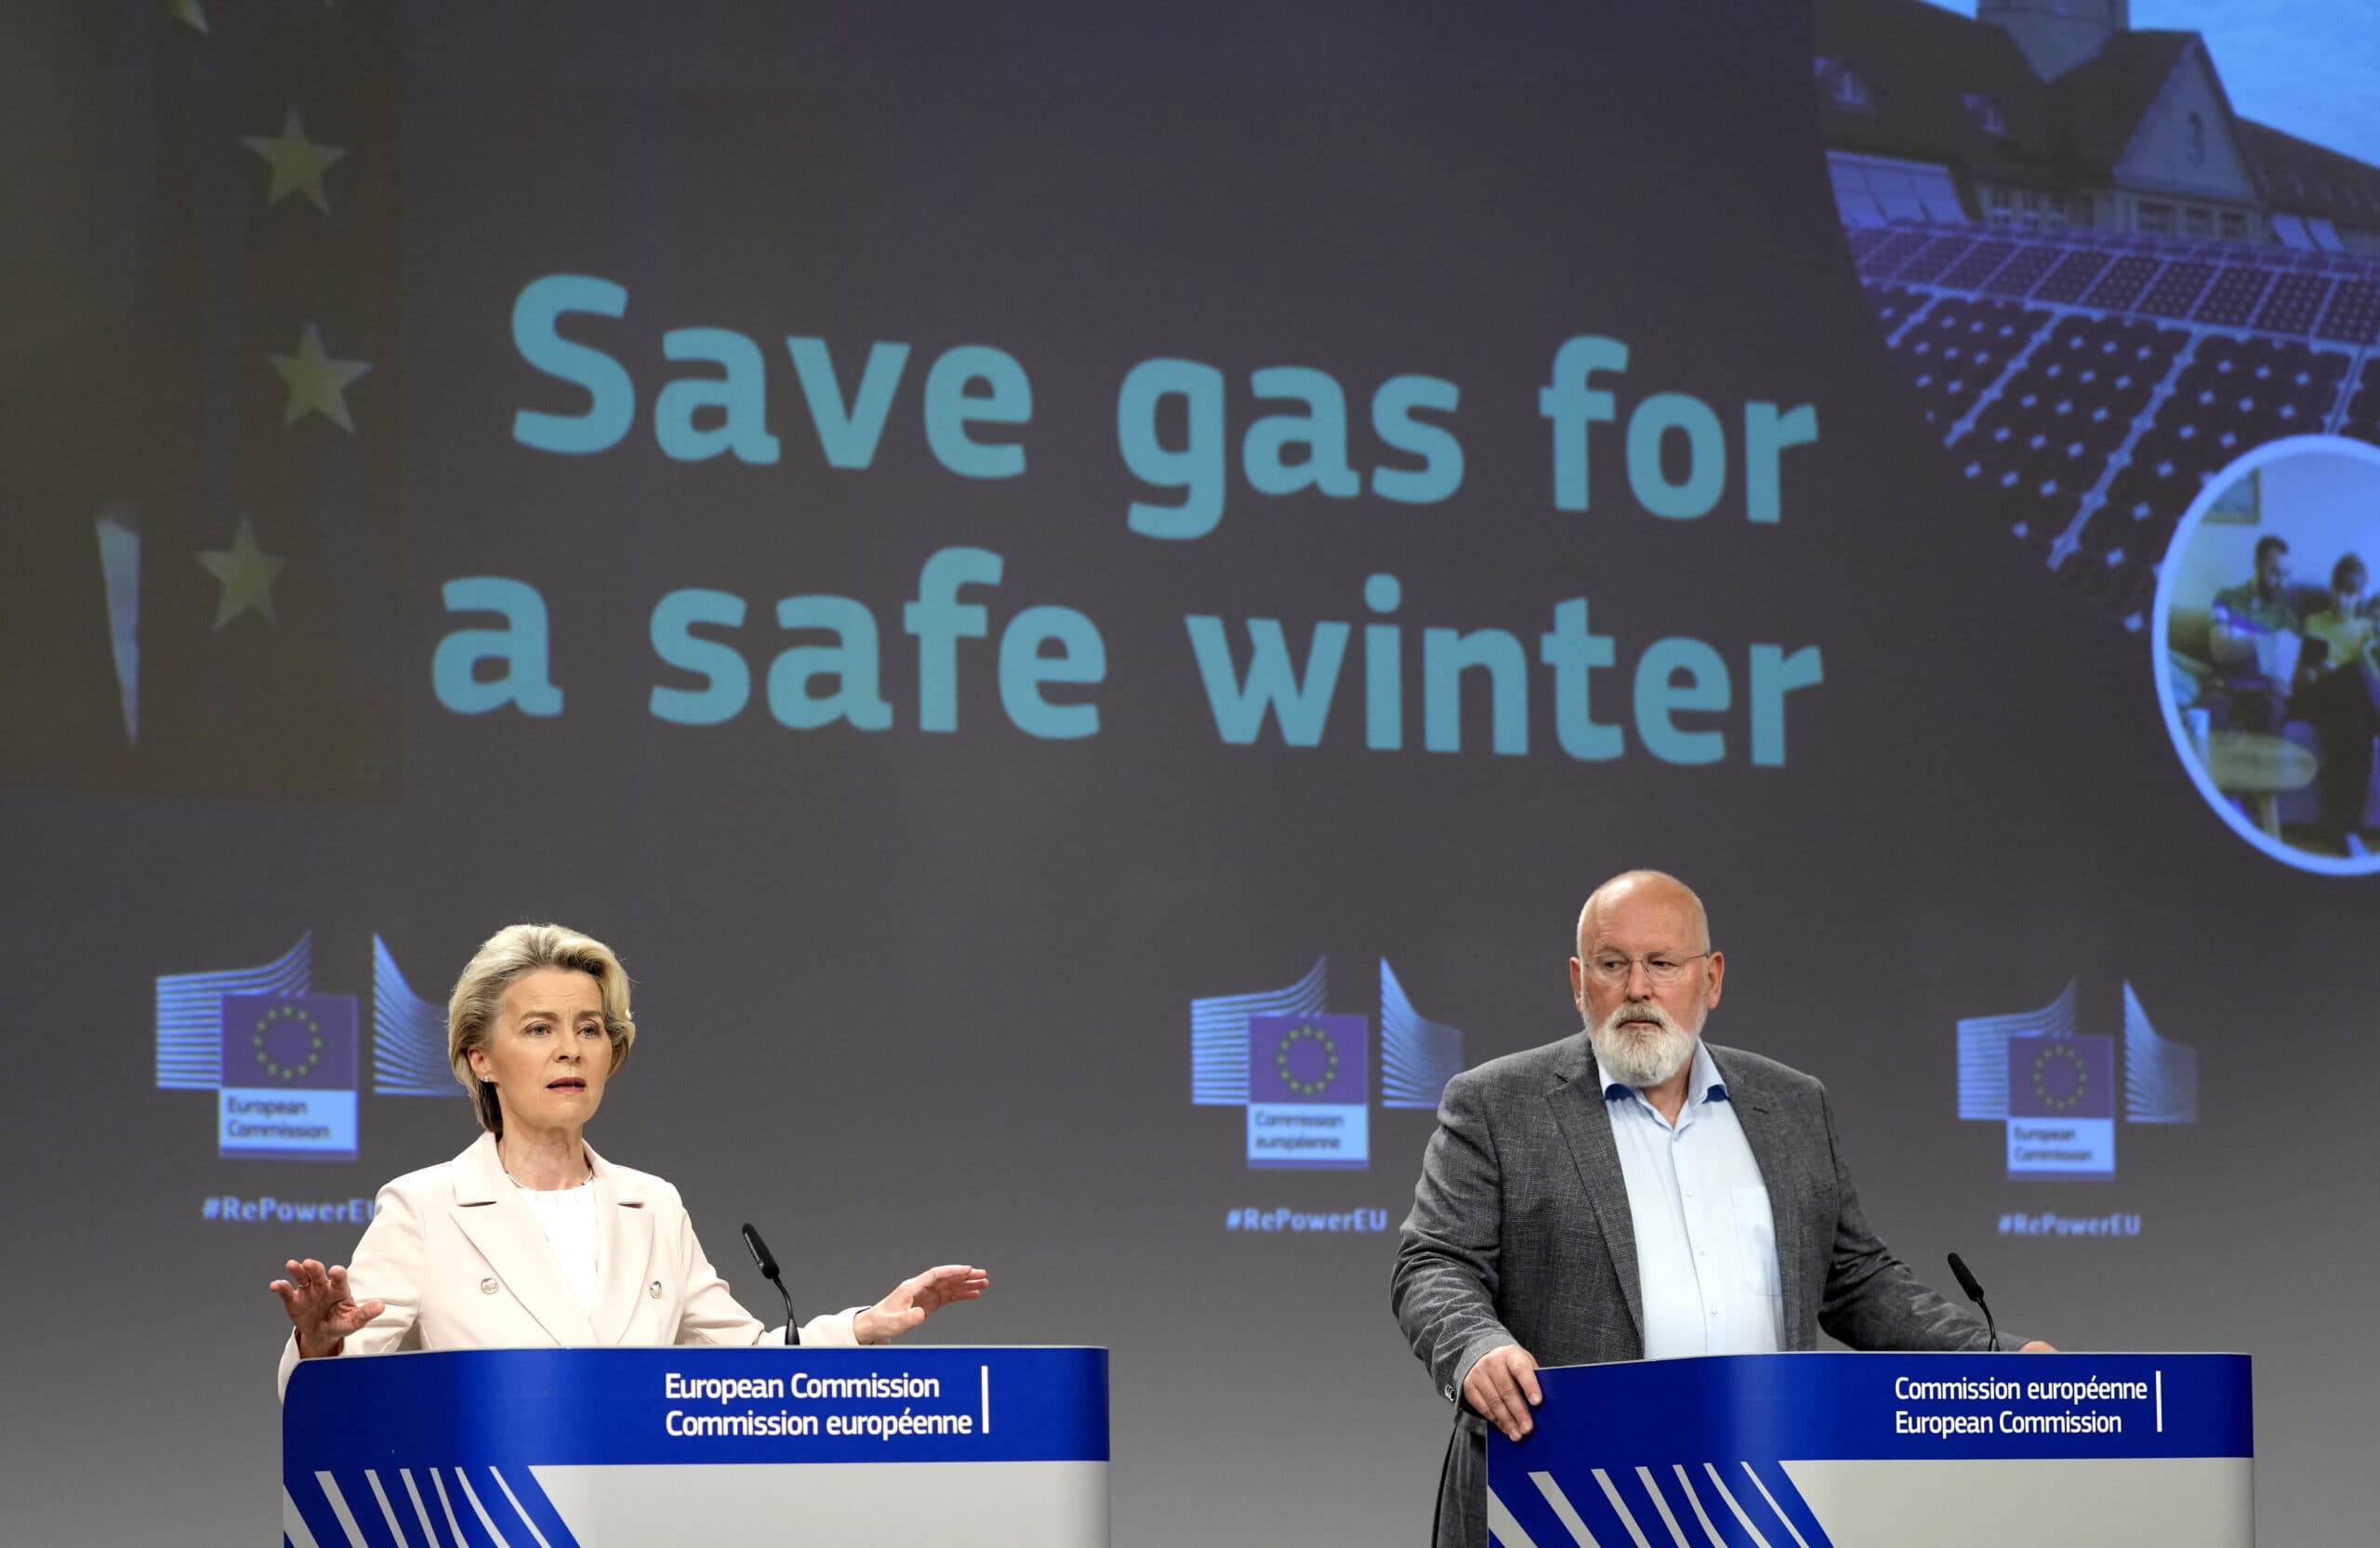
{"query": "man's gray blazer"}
[(1520, 1233)]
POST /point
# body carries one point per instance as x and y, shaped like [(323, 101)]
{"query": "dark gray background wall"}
[(911, 996)]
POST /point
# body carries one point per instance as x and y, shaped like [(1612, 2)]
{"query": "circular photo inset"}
[(2267, 650)]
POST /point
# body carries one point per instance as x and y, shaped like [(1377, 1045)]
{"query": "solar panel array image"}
[(1958, 347), (2087, 385)]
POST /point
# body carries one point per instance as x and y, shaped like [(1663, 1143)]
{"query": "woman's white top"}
[(568, 1216)]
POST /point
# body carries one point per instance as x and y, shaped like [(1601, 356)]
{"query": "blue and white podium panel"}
[(609, 1447), (1837, 1451)]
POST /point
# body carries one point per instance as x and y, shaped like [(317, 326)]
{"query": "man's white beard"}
[(1642, 1044)]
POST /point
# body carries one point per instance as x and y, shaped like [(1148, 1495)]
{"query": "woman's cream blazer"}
[(463, 1264)]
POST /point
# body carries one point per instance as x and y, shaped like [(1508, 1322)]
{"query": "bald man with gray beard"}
[(1631, 1191)]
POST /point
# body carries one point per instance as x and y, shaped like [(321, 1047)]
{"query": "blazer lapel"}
[(627, 1252), (489, 1211), (1756, 1115), (1577, 1103)]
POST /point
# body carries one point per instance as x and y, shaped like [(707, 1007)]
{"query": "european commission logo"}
[(2057, 1090), (285, 1063), (1303, 1074), (289, 1081)]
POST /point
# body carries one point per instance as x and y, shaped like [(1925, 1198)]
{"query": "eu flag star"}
[(298, 162), (317, 383), (246, 572)]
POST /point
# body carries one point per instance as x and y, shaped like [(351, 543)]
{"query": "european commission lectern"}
[(1841, 1450), (610, 1448)]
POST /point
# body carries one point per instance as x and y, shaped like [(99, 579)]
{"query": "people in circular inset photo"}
[(2267, 650)]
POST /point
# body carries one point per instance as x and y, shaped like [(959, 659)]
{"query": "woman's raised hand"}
[(917, 1298), (320, 1306)]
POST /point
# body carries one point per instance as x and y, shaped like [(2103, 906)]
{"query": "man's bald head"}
[(1633, 894), (1645, 978)]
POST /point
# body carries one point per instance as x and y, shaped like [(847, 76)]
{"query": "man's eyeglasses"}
[(1662, 967)]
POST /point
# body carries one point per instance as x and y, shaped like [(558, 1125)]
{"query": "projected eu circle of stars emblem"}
[(2060, 1102), (263, 1042), (1288, 1046)]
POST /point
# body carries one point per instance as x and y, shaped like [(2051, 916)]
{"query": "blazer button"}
[(653, 1290), (487, 1287)]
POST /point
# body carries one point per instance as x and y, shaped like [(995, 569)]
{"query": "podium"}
[(1839, 1450), (609, 1447)]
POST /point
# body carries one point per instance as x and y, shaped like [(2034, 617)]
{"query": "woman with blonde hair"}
[(529, 1237)]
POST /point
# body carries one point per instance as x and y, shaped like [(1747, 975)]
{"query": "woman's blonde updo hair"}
[(510, 953)]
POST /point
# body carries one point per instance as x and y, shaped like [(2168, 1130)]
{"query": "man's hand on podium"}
[(917, 1298), (1503, 1386), (321, 1307), (2037, 1346)]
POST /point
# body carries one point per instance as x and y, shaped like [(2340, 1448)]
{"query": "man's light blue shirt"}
[(1706, 1242)]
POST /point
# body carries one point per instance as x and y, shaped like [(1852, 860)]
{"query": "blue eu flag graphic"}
[(2062, 1106), (289, 1064), (1308, 1088)]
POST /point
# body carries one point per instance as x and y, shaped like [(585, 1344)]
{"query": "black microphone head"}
[(1966, 1280), (769, 1266)]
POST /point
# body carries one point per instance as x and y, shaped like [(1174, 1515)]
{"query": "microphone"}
[(1966, 1283), (768, 1266)]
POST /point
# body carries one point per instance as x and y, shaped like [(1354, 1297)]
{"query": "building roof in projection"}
[(2307, 178), (2102, 101), (1927, 69), (1920, 65)]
